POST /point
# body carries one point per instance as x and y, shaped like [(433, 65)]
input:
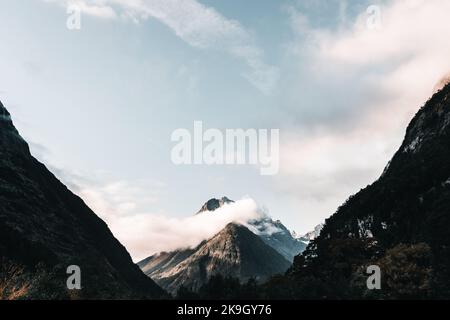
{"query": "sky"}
[(340, 80)]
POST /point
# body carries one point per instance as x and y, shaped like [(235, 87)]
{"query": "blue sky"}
[(98, 105)]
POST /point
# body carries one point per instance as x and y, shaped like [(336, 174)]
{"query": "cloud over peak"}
[(146, 234)]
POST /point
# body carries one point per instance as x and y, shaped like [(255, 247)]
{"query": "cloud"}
[(353, 64), (405, 57), (351, 96), (144, 234), (101, 11), (126, 207), (95, 8), (118, 198), (205, 28), (196, 24)]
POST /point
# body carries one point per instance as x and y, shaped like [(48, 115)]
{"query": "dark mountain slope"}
[(401, 223), (44, 228)]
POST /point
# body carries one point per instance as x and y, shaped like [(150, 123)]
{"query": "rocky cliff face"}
[(44, 228), (235, 251)]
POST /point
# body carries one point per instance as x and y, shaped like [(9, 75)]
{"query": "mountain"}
[(273, 233), (235, 251), (309, 236), (400, 223), (276, 235), (259, 250), (44, 228), (213, 204)]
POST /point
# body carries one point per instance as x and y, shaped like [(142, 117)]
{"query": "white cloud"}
[(144, 234), (369, 84), (101, 11), (126, 206), (118, 198), (95, 8), (198, 25), (408, 55)]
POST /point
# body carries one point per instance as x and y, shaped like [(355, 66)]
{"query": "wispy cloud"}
[(100, 10), (96, 8), (196, 24)]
